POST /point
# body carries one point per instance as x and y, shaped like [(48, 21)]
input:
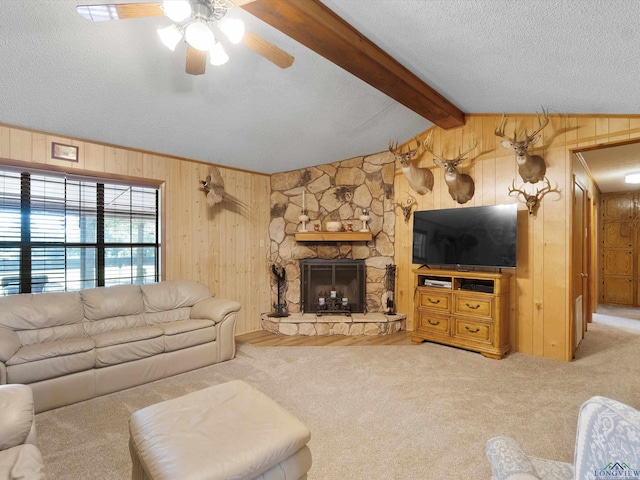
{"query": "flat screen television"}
[(466, 237)]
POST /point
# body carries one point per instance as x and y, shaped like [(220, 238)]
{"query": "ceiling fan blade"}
[(239, 3), (122, 11), (196, 61), (268, 50)]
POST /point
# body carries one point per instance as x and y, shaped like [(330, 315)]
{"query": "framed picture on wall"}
[(64, 152)]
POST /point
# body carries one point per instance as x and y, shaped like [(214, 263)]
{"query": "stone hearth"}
[(357, 324)]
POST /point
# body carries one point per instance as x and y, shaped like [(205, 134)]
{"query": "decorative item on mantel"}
[(365, 218), (333, 226), (304, 218)]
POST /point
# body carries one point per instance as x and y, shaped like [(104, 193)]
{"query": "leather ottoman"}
[(224, 432)]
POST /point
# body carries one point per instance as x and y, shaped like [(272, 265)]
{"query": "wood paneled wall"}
[(220, 247), (541, 308), (227, 250)]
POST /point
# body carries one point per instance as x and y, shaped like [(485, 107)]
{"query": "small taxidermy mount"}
[(532, 201), (214, 188), (406, 206)]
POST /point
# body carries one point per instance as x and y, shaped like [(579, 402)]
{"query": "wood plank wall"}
[(223, 248), (541, 308)]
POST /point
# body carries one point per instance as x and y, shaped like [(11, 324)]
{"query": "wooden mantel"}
[(333, 236)]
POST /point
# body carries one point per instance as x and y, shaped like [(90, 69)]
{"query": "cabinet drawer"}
[(433, 323), (434, 300), (476, 331), (474, 306)]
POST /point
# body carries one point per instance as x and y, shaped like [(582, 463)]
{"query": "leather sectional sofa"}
[(73, 346)]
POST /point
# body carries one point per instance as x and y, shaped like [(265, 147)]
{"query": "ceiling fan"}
[(196, 22)]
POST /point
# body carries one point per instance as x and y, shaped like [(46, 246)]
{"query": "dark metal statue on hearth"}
[(281, 306)]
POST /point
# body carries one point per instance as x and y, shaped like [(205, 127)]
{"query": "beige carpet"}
[(377, 412)]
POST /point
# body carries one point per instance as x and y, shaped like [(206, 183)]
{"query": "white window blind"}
[(62, 233)]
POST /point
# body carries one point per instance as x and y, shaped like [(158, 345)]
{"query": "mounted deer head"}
[(406, 206), (461, 186), (420, 179), (531, 168), (533, 201)]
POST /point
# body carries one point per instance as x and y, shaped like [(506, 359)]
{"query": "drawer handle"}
[(472, 330), (435, 302), (473, 307), (431, 322)]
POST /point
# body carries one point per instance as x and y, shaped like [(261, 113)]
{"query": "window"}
[(64, 232)]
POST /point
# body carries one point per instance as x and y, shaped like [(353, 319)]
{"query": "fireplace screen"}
[(332, 286)]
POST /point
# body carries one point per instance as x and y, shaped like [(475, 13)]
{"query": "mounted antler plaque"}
[(532, 201), (406, 206)]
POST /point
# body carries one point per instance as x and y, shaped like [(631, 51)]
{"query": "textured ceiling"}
[(609, 166), (114, 82)]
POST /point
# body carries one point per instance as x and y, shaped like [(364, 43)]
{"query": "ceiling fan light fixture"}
[(170, 36), (633, 178), (217, 55), (233, 28), (177, 10), (199, 36)]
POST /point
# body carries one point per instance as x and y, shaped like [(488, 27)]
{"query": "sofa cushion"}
[(41, 351), (28, 311), (34, 363), (114, 301), (187, 333), (126, 336), (169, 295), (106, 325), (9, 344), (43, 317), (122, 346), (167, 316)]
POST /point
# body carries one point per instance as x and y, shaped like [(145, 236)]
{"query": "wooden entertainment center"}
[(469, 310)]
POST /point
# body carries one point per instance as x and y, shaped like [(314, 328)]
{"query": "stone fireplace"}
[(332, 286), (338, 191)]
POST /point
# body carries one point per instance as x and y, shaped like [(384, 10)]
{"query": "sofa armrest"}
[(216, 309), (23, 462), (508, 461), (16, 416), (9, 344), (608, 433)]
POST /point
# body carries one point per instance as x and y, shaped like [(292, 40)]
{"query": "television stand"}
[(468, 310)]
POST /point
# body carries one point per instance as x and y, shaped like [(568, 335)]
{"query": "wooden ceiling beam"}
[(317, 27)]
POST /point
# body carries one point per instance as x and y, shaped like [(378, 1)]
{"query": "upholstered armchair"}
[(19, 455), (607, 445)]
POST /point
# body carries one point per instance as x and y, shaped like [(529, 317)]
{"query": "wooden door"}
[(620, 250), (587, 267), (580, 277)]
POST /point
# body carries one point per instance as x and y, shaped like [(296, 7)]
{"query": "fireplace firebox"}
[(332, 286)]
